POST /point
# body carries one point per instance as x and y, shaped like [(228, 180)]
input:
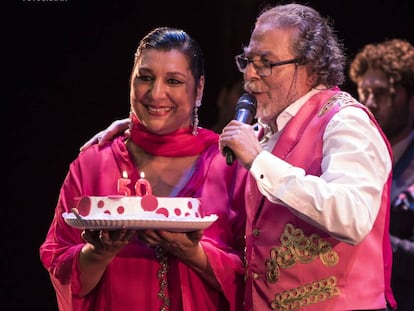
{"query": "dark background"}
[(65, 71)]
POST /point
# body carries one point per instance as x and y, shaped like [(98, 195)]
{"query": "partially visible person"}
[(319, 175), (154, 269), (226, 104), (384, 75)]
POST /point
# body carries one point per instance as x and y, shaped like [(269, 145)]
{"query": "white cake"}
[(145, 207)]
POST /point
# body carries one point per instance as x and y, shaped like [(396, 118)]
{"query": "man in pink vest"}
[(319, 174)]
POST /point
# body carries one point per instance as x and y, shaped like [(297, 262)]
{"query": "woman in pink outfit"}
[(154, 269)]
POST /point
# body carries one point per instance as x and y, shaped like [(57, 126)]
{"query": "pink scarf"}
[(181, 143)]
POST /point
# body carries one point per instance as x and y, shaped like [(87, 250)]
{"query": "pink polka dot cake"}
[(141, 211), (138, 212), (145, 207)]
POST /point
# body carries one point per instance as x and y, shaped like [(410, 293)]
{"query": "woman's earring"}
[(195, 117)]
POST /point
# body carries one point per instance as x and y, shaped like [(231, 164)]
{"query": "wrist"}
[(90, 253), (196, 256)]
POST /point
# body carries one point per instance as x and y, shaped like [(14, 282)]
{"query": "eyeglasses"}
[(263, 68)]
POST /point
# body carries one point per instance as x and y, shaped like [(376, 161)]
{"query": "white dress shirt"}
[(346, 198)]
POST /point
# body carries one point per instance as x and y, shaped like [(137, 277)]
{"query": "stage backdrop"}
[(67, 66)]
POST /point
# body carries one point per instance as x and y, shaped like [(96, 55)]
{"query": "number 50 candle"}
[(142, 186), (123, 183)]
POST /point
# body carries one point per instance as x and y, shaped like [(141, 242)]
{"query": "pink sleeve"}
[(229, 271), (223, 241), (59, 252)]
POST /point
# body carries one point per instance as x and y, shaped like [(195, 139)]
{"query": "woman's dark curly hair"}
[(394, 57), (315, 45)]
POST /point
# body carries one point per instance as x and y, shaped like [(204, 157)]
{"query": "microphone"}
[(245, 113)]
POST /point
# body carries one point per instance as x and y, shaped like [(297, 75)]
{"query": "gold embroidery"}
[(326, 107), (305, 295), (328, 256), (162, 276), (272, 268), (342, 99), (296, 247)]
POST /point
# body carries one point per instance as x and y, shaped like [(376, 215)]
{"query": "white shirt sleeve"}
[(346, 198)]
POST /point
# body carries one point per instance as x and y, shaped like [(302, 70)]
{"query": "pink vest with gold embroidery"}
[(293, 265)]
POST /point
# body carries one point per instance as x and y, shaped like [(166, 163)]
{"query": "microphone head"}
[(247, 101), (246, 108), (245, 113)]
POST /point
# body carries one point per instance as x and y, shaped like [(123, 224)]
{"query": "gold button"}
[(256, 232), (255, 276)]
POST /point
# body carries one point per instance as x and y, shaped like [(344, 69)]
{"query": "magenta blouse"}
[(131, 280)]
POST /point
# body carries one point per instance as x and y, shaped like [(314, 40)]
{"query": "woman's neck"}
[(167, 175)]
